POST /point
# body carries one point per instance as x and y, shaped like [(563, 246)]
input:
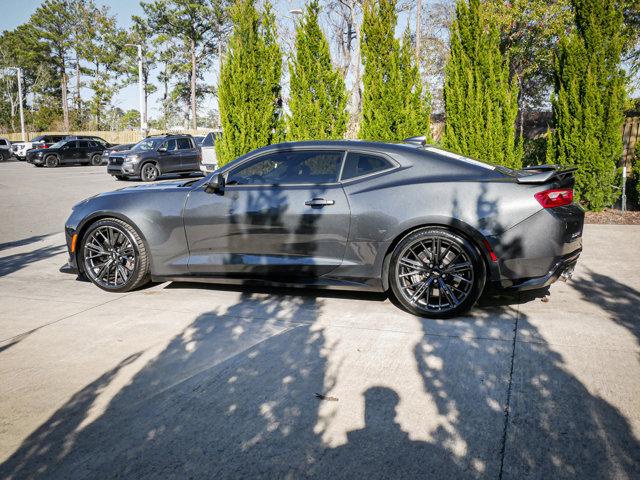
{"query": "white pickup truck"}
[(209, 161)]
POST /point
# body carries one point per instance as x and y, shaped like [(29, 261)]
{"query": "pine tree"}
[(481, 103), (249, 95), (393, 103), (588, 101), (318, 94)]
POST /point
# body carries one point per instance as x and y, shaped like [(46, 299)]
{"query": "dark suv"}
[(65, 151), (154, 156)]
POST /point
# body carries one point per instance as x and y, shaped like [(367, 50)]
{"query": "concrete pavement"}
[(181, 380)]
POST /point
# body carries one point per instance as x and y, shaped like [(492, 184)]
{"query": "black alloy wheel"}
[(96, 160), (149, 172), (51, 161), (436, 273), (114, 256)]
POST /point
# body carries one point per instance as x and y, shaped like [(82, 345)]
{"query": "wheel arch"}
[(104, 215), (452, 225)]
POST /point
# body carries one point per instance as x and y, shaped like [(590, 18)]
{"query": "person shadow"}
[(383, 450)]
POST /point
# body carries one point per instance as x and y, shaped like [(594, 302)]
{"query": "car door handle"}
[(318, 202)]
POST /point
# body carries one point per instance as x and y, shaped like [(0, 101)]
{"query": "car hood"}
[(138, 189)]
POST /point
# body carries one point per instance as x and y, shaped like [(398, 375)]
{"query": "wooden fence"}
[(124, 136)]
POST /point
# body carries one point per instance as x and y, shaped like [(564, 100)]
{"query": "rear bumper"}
[(539, 249), (562, 268)]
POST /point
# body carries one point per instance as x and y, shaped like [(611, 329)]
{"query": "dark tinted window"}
[(286, 168), (83, 144), (93, 144), (71, 144), (3, 141), (359, 164), (184, 143), (208, 141)]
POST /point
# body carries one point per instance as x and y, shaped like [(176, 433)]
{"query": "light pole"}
[(143, 106), (19, 74)]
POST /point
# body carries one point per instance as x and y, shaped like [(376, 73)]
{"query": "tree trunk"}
[(65, 105), (77, 99), (418, 31), (194, 120)]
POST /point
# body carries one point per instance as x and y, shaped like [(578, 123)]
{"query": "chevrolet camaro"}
[(430, 227)]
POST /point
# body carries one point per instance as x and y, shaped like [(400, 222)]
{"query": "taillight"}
[(555, 198), (45, 146)]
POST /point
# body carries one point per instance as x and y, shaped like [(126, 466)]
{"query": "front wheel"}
[(149, 172), (436, 273), (51, 161), (114, 256), (96, 160)]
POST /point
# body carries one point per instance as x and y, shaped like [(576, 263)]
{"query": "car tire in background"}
[(119, 177), (113, 256), (149, 172), (96, 160), (432, 261), (51, 161), (4, 156)]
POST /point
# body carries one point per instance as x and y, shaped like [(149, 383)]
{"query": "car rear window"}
[(3, 141), (208, 140), (83, 144), (360, 164)]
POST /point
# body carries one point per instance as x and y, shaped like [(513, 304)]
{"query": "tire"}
[(51, 161), (120, 177), (442, 289), (149, 172), (113, 256), (96, 160)]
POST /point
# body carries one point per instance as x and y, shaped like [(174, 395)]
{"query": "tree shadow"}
[(13, 263), (24, 241), (619, 300)]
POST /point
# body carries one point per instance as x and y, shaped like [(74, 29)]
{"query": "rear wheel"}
[(114, 256), (52, 161), (96, 160), (120, 177), (436, 273), (149, 172)]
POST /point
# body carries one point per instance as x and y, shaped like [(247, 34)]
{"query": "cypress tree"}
[(318, 94), (249, 95), (481, 103), (393, 103), (588, 101)]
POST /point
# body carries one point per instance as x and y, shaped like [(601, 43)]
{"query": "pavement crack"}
[(507, 407)]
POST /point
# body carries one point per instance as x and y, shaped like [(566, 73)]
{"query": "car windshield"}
[(58, 144), (146, 145)]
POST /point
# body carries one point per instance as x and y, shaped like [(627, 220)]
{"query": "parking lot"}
[(196, 381)]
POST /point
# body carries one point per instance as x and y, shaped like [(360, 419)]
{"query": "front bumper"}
[(34, 160), (126, 169)]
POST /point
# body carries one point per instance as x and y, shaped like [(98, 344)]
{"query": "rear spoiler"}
[(538, 174)]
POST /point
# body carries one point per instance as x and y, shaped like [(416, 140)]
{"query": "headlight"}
[(39, 154), (132, 158)]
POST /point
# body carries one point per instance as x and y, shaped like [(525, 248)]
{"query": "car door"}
[(281, 214), (169, 156), (70, 152), (188, 154), (208, 149), (83, 151)]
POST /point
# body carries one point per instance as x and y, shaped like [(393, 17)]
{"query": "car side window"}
[(3, 141), (93, 144), (208, 141), (289, 168), (170, 145), (184, 143), (83, 144), (360, 164)]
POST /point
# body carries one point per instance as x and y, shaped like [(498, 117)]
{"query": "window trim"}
[(280, 185), (394, 165)]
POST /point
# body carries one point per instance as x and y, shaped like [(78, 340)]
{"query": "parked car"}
[(100, 140), (155, 156), (5, 149), (85, 152), (20, 149), (117, 148), (198, 139), (209, 159), (428, 226)]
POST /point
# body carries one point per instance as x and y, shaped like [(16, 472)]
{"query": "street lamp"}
[(19, 74), (143, 107)]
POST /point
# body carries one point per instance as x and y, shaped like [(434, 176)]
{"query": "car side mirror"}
[(215, 185)]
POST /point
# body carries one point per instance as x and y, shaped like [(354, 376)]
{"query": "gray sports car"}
[(431, 227)]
